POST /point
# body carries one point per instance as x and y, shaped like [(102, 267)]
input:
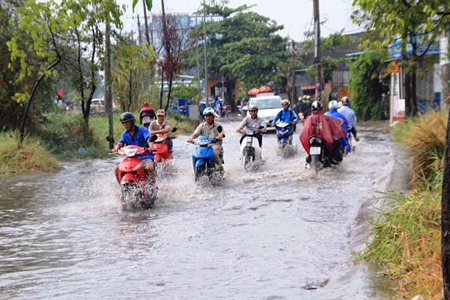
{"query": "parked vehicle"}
[(268, 106)]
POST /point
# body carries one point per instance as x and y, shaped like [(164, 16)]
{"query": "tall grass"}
[(406, 231), (33, 156), (424, 137)]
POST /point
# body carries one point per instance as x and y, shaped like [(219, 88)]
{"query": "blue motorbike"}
[(284, 136), (203, 160)]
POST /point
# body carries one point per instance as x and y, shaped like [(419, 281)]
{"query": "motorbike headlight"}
[(130, 152)]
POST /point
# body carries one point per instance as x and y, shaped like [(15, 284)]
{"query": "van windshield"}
[(267, 103)]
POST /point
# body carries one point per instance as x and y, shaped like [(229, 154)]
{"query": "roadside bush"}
[(32, 157), (406, 231), (424, 137), (366, 88)]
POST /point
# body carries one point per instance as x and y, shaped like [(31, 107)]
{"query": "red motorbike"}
[(137, 190), (161, 145)]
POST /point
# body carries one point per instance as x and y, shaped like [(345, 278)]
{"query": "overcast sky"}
[(295, 15)]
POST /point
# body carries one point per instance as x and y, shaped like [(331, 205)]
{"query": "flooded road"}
[(279, 233)]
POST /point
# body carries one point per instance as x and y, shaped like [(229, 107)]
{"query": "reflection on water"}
[(281, 232)]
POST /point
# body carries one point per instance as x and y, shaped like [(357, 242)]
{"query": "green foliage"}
[(32, 157), (185, 90), (243, 45), (130, 71), (366, 87)]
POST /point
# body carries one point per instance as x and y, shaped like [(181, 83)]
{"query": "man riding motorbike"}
[(304, 106), (333, 112), (138, 136), (210, 128), (253, 123), (286, 115), (161, 126), (350, 115), (329, 129)]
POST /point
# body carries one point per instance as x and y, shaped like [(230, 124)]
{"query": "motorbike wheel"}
[(247, 162), (315, 163), (199, 172)]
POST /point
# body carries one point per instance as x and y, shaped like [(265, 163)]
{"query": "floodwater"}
[(281, 232)]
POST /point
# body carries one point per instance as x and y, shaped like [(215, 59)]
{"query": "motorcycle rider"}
[(333, 112), (325, 127), (138, 136), (350, 115), (161, 126), (146, 115), (253, 123), (209, 128), (304, 106), (286, 115)]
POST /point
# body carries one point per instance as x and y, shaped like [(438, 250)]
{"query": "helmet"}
[(160, 112), (305, 97), (308, 97), (146, 111), (208, 111), (285, 101), (316, 105), (333, 104), (127, 116), (253, 107), (345, 100)]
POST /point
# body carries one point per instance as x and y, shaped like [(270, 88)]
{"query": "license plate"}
[(314, 150)]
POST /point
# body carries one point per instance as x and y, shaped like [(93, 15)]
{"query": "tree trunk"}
[(169, 92), (445, 217)]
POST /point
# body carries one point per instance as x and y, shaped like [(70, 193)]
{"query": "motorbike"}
[(161, 151), (317, 153), (203, 160), (136, 190), (250, 151), (284, 136)]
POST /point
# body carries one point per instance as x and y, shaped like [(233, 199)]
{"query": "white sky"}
[(295, 15)]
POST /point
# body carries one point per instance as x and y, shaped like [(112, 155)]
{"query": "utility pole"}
[(206, 56), (198, 61), (293, 74), (139, 30), (108, 83), (317, 63)]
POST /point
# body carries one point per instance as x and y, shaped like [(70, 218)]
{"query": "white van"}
[(268, 106)]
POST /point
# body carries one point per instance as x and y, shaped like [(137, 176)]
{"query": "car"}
[(98, 106), (268, 107)]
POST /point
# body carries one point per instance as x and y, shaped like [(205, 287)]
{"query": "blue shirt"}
[(335, 114), (286, 115), (139, 138)]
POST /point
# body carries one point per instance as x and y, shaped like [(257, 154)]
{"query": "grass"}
[(33, 156), (63, 136), (406, 231)]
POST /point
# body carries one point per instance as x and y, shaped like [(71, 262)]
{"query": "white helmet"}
[(333, 104), (208, 111), (316, 105), (345, 101), (285, 101)]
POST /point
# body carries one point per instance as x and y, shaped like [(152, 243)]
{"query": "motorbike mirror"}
[(174, 129), (153, 138), (110, 139), (219, 128)]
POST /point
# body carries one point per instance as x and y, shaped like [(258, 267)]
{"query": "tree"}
[(38, 54), (84, 30), (366, 87), (130, 64), (242, 45), (416, 24)]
